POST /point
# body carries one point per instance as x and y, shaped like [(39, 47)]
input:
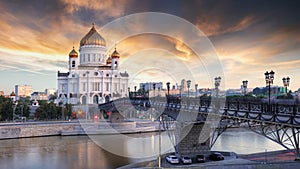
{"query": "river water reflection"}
[(80, 152)]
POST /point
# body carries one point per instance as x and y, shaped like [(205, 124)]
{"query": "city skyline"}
[(250, 38)]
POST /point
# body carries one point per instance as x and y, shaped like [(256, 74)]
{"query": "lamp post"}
[(245, 84), (134, 91), (168, 87), (159, 143), (286, 83), (87, 95), (154, 84), (196, 90), (217, 84), (269, 77), (188, 86)]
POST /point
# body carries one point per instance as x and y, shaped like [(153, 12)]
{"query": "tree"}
[(6, 108), (48, 111)]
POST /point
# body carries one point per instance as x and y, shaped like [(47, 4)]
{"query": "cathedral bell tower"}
[(115, 56), (73, 61)]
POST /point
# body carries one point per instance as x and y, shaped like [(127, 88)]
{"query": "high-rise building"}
[(23, 90), (183, 85), (94, 76)]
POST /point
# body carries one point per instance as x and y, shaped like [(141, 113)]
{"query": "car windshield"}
[(174, 157)]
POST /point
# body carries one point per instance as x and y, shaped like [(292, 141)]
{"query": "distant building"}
[(149, 85), (23, 91), (49, 92), (183, 85), (1, 93), (234, 92), (275, 90), (39, 96)]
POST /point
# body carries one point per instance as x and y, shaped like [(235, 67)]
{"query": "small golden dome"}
[(12, 94), (115, 54), (73, 53), (108, 61), (92, 38)]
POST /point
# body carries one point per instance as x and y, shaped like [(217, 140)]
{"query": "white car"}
[(172, 159), (186, 160)]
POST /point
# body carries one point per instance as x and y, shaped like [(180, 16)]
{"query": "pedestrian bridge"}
[(278, 122)]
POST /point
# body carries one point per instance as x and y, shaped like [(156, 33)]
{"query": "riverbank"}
[(69, 128), (266, 160)]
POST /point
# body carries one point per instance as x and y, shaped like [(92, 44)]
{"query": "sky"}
[(249, 37)]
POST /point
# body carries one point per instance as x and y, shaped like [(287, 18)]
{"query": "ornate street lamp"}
[(188, 86), (168, 87), (245, 84), (217, 84), (269, 77), (286, 83), (154, 84), (196, 89)]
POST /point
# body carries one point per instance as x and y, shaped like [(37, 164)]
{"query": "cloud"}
[(213, 28)]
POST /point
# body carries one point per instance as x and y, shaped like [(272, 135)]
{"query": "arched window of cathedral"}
[(107, 75), (89, 58), (73, 63), (83, 100), (96, 99), (96, 73)]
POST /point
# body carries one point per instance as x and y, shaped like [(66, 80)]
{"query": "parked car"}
[(200, 158), (216, 156), (172, 159), (186, 160)]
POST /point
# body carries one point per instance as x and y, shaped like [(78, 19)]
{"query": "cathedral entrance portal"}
[(107, 98)]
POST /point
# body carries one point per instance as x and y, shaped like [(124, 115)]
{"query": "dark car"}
[(216, 157), (200, 159)]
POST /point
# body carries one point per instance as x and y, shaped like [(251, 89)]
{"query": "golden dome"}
[(92, 38), (115, 54), (73, 53), (108, 61)]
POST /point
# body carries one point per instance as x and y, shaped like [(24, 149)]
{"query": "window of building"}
[(73, 63), (83, 86), (89, 57), (106, 86)]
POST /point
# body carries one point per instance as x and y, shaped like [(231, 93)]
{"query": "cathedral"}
[(94, 76)]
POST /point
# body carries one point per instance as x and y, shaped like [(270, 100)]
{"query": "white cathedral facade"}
[(94, 76)]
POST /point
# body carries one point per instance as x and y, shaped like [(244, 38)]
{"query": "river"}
[(109, 151)]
